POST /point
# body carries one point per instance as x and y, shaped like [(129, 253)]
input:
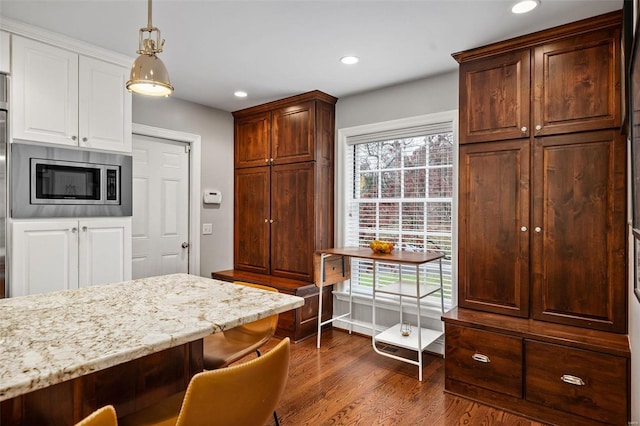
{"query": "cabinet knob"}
[(84, 139), (271, 221), (523, 229), (266, 220), (74, 137), (538, 127), (524, 129), (266, 160), (74, 230), (481, 358), (84, 229), (537, 229), (184, 245), (271, 160), (572, 380)]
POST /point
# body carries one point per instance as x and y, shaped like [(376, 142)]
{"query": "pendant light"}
[(149, 76)]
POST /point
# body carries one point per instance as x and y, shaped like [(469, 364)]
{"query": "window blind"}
[(400, 188)]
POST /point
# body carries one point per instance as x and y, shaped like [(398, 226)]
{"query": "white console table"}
[(420, 337)]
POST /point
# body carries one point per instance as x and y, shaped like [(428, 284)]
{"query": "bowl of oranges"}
[(381, 247)]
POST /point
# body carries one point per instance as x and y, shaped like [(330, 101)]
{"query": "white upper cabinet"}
[(65, 98), (105, 106), (44, 101), (5, 52)]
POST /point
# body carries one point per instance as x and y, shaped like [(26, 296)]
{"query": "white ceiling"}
[(274, 49)]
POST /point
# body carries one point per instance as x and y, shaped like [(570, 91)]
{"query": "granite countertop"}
[(53, 337)]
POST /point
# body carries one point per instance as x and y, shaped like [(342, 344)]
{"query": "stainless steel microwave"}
[(64, 182)]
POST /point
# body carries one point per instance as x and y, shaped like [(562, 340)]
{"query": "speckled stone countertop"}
[(49, 338)]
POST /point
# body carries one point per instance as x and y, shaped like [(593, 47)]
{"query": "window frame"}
[(343, 169)]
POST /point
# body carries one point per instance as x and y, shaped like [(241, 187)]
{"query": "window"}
[(399, 184)]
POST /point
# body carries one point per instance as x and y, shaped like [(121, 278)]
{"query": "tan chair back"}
[(244, 394), (227, 347), (105, 416)]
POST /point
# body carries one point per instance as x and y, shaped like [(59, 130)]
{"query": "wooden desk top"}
[(396, 256)]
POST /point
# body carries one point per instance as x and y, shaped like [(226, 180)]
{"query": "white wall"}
[(216, 130), (634, 323), (634, 342), (420, 97)]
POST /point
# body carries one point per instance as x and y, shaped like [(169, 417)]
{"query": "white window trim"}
[(342, 168)]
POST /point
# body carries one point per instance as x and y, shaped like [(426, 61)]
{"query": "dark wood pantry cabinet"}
[(283, 205), (542, 302)]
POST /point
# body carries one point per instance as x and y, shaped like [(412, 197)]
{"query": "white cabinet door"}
[(105, 106), (44, 105), (44, 257), (104, 251), (5, 50)]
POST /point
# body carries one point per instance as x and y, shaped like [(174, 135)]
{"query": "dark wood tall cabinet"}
[(542, 227), (283, 211)]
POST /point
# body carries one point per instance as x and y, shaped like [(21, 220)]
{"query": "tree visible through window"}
[(401, 190)]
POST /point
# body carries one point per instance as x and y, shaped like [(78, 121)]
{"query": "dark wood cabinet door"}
[(252, 140), (251, 219), (293, 133), (577, 83), (495, 98), (292, 230), (494, 227), (579, 230)]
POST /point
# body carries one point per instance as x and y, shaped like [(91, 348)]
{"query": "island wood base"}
[(299, 323), (128, 387)]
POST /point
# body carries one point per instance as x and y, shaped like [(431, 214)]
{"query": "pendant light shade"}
[(149, 76)]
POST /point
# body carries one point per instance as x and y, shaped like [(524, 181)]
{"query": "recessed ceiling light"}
[(240, 94), (525, 6), (349, 60)]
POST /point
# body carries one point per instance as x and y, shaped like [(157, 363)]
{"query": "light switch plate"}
[(207, 229)]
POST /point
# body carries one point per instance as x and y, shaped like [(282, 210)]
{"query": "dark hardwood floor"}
[(347, 383)]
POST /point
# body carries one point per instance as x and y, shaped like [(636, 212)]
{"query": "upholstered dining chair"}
[(224, 348), (105, 416), (242, 394)]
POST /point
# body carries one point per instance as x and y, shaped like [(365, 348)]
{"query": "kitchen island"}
[(63, 354)]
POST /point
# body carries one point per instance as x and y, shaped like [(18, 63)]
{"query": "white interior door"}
[(160, 234)]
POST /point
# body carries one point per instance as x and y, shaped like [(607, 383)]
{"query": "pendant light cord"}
[(149, 25)]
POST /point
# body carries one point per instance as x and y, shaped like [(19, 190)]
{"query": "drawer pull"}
[(481, 358), (572, 380)]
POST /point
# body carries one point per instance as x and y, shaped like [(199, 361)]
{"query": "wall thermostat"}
[(212, 196)]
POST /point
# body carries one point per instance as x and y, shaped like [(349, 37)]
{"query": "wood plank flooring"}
[(347, 383)]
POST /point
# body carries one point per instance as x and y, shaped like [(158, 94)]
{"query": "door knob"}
[(185, 245)]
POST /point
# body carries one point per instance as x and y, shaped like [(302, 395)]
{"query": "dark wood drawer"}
[(481, 358), (586, 383)]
